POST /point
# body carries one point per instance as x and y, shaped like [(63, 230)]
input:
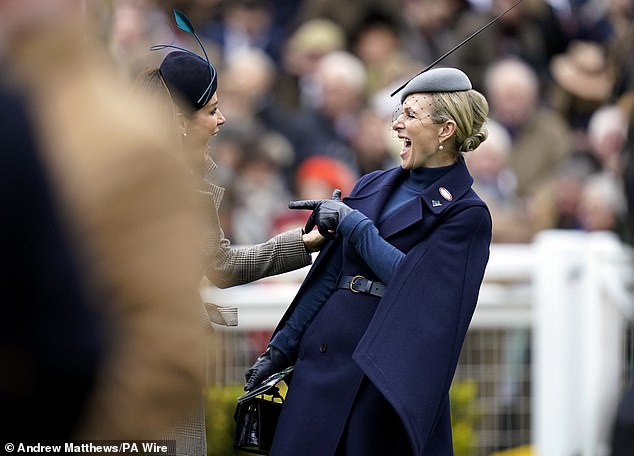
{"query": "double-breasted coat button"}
[(323, 348)]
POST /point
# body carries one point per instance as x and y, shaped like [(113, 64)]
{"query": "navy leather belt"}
[(359, 284)]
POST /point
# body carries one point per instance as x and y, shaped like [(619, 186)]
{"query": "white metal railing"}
[(572, 289)]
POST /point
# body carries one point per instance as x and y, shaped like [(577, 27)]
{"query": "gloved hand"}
[(267, 364), (327, 214)]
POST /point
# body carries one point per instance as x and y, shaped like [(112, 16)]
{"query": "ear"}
[(447, 129), (181, 124)]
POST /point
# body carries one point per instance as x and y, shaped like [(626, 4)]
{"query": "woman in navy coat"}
[(376, 328)]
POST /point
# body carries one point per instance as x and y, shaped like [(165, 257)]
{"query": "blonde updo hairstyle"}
[(469, 110)]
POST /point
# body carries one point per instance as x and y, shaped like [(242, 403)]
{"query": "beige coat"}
[(133, 213)]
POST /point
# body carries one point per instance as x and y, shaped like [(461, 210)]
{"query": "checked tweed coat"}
[(229, 266)]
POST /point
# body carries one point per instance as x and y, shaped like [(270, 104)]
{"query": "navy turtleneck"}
[(417, 181)]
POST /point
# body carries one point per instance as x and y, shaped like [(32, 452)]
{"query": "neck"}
[(196, 154)]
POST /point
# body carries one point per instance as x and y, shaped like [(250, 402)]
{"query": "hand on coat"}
[(267, 364), (327, 214)]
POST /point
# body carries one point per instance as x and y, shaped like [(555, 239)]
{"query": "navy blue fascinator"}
[(187, 75)]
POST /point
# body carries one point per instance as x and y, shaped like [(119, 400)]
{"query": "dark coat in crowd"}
[(369, 366)]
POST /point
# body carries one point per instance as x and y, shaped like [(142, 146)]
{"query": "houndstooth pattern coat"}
[(229, 266)]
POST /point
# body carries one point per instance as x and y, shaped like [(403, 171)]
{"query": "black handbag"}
[(256, 420), (256, 415)]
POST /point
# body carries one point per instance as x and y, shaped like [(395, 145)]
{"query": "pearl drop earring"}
[(440, 147)]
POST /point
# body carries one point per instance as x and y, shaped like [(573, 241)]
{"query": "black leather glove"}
[(267, 364), (327, 214)]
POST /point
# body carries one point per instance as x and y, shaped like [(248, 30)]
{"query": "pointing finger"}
[(304, 204)]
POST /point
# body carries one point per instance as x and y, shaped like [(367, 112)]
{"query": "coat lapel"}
[(436, 198)]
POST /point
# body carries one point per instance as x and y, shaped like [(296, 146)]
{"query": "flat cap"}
[(437, 80)]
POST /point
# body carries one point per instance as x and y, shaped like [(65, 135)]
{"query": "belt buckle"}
[(354, 279)]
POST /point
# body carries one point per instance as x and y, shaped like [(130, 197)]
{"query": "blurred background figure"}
[(607, 133), (582, 81), (495, 182), (373, 145), (540, 138), (601, 204), (246, 24), (117, 228), (327, 124), (136, 24), (379, 45), (315, 178), (306, 45)]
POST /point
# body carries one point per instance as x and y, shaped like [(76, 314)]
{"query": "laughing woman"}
[(376, 328), (183, 88)]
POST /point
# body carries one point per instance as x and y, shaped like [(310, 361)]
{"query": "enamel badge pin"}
[(445, 193)]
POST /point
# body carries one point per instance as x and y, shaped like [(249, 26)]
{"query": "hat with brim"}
[(583, 71), (317, 36), (437, 80)]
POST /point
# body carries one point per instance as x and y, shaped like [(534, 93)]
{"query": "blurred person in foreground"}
[(184, 91), (101, 239), (401, 275)]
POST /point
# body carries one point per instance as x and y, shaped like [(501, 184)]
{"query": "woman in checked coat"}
[(184, 87), (376, 328)]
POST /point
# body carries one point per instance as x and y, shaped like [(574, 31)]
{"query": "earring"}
[(440, 147), (184, 135)]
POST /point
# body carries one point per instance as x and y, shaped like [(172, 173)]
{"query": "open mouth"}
[(407, 144)]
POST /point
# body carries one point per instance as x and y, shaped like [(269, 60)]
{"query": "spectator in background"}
[(347, 15), (556, 204), (108, 225), (622, 431), (426, 30), (315, 178), (495, 182), (373, 145), (328, 125), (378, 44), (607, 132), (246, 24), (621, 45), (530, 32), (582, 83), (304, 49), (626, 103), (259, 189), (601, 204), (135, 26), (249, 100), (540, 138)]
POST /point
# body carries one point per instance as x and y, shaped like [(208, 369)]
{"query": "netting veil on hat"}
[(185, 72)]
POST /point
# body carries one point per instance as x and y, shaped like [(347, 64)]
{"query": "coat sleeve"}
[(411, 347), (238, 265)]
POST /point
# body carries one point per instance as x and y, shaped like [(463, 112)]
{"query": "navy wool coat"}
[(405, 345)]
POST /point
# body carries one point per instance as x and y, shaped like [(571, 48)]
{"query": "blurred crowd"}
[(306, 88)]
